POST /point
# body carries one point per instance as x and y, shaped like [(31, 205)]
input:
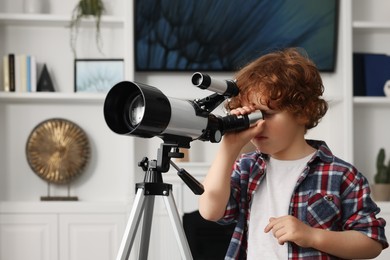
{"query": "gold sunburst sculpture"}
[(58, 150)]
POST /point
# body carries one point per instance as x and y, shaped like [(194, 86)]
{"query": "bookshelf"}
[(106, 187), (47, 36), (52, 30), (370, 26), (50, 97), (370, 34), (371, 101)]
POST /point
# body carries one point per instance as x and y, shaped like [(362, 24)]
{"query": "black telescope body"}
[(137, 109)]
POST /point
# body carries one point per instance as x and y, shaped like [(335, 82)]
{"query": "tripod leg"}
[(132, 225), (177, 227), (146, 227)]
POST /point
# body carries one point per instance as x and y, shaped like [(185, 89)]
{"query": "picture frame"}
[(97, 75)]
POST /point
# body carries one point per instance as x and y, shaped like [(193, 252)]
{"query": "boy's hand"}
[(348, 244), (241, 138), (290, 229)]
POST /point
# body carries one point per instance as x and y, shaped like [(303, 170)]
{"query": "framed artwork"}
[(224, 35), (97, 75)]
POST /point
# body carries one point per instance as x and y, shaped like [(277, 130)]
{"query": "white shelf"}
[(54, 20), (50, 97), (368, 25), (371, 101), (15, 207)]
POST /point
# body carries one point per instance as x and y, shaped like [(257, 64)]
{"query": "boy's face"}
[(282, 136)]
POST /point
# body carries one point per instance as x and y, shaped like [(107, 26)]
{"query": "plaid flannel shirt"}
[(330, 194)]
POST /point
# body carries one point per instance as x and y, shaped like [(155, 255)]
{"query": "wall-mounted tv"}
[(224, 35)]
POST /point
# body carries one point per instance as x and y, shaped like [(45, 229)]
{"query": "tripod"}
[(144, 203)]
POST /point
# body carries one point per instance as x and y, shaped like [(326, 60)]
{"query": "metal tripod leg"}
[(146, 228), (177, 227), (132, 225), (144, 204)]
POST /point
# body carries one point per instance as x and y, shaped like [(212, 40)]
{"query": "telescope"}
[(141, 110)]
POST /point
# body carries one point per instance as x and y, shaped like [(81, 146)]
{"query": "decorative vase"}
[(381, 192)]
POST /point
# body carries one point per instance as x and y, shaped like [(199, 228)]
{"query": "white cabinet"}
[(61, 231), (90, 236), (28, 236)]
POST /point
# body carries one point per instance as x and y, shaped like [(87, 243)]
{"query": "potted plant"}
[(381, 188), (85, 9)]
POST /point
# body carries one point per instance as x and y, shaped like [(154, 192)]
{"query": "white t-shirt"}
[(272, 199)]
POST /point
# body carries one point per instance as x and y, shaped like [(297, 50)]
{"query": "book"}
[(23, 73), (19, 73), (33, 73), (359, 74), (28, 69), (11, 71), (377, 68), (5, 74)]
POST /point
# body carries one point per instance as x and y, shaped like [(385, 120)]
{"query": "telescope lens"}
[(136, 110)]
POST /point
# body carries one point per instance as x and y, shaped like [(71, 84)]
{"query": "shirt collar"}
[(323, 152)]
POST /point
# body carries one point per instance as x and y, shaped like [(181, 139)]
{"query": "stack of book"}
[(19, 73)]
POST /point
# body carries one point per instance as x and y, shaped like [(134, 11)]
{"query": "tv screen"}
[(224, 35)]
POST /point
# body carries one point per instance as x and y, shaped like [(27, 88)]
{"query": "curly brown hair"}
[(285, 80)]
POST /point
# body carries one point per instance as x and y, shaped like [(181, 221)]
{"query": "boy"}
[(292, 198)]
